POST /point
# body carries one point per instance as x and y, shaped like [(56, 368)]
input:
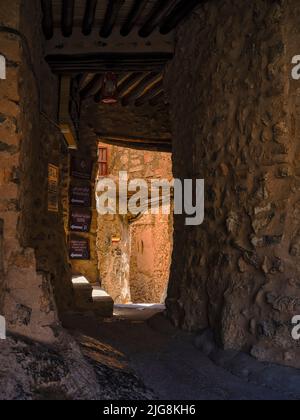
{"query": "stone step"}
[(102, 302), (92, 298)]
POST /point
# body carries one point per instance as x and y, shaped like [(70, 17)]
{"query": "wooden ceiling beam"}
[(84, 79), (92, 87), (111, 16), (180, 12), (159, 10), (159, 97), (102, 62), (48, 26), (139, 143), (67, 17), (89, 16), (129, 83), (150, 94), (134, 14), (144, 85)]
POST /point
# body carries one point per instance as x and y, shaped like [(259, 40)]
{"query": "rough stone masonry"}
[(236, 121), (33, 252)]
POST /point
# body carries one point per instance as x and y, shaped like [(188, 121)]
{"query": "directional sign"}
[(80, 219), (81, 168), (79, 248), (81, 195)]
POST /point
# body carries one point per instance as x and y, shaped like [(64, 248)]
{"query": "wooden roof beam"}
[(67, 17), (128, 84), (89, 16), (150, 94), (47, 9), (111, 16), (159, 10), (139, 143), (159, 97), (180, 12), (92, 87), (135, 12), (102, 62), (144, 85)]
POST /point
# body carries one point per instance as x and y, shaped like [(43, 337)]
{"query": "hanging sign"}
[(81, 196), (53, 188), (81, 168), (79, 249), (80, 220)]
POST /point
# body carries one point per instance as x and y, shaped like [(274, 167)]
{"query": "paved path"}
[(167, 361)]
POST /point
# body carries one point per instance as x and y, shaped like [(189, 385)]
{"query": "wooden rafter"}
[(89, 16), (47, 9), (92, 87), (140, 143), (147, 81), (102, 62), (159, 10), (150, 94), (159, 97), (180, 12), (134, 14), (67, 17), (84, 79), (112, 12)]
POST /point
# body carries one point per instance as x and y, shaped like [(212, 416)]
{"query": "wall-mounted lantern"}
[(2, 67), (110, 89)]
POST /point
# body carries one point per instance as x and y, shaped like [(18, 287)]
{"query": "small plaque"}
[(81, 168), (81, 196), (53, 188), (80, 220), (79, 249)]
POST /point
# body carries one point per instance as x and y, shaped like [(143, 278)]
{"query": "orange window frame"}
[(103, 161)]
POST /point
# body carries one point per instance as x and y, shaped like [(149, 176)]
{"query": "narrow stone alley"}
[(149, 200)]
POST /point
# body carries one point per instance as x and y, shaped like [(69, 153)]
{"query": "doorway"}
[(134, 252)]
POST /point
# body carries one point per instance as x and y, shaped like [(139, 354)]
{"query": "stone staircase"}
[(92, 298)]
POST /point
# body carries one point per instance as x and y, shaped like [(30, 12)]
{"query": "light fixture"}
[(110, 89)]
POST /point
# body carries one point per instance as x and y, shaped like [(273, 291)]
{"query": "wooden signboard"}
[(53, 188), (81, 168), (81, 196), (80, 219), (79, 248)]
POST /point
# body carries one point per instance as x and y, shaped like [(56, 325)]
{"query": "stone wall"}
[(150, 258), (34, 248), (234, 114)]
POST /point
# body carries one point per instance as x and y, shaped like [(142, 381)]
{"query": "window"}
[(103, 161)]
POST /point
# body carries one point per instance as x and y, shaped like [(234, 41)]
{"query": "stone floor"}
[(137, 355), (179, 366)]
